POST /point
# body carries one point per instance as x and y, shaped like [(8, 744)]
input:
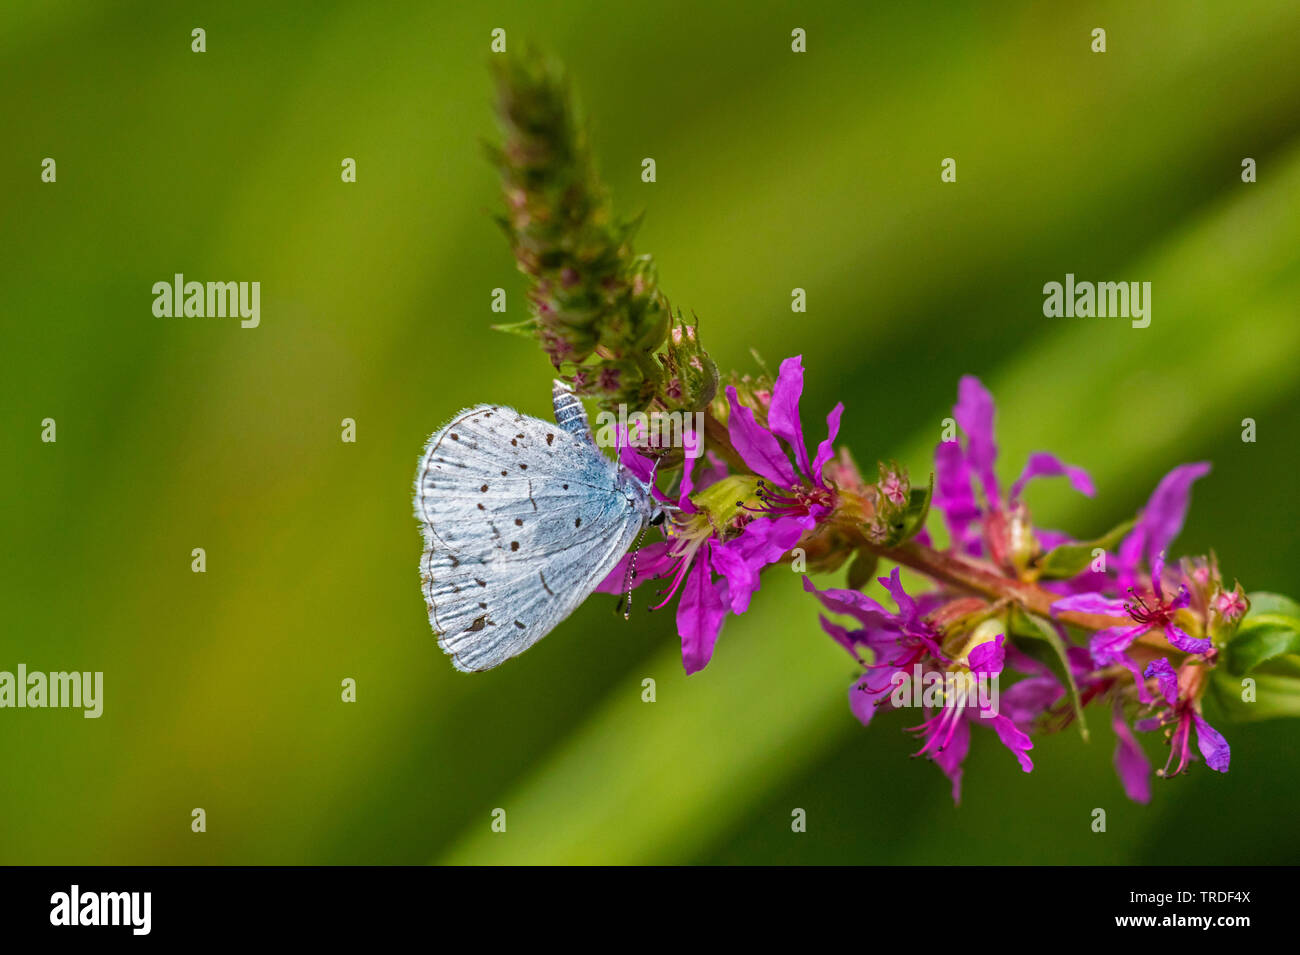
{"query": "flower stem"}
[(979, 577)]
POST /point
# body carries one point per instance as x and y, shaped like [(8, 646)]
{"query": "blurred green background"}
[(775, 171)]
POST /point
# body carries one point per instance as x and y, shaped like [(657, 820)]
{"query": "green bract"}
[(1066, 561), (1270, 630)]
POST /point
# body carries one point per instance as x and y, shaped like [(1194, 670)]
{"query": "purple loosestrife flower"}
[(947, 734), (1181, 714), (1230, 605), (1159, 523), (714, 568), (717, 569), (800, 490), (1109, 621), (904, 643), (687, 558), (957, 467), (897, 641), (1157, 526)]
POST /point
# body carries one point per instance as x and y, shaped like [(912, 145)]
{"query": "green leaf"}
[(1070, 559), (910, 522), (1262, 602), (1034, 627), (862, 569), (525, 329), (1270, 692), (1271, 629)]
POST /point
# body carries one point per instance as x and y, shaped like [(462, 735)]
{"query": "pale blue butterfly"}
[(522, 519)]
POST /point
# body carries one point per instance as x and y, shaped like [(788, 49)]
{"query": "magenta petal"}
[(1080, 659), (1167, 508), (840, 635), (852, 603), (1131, 762), (686, 486), (783, 411), (1185, 641), (763, 541), (1158, 572), (953, 495), (974, 412), (1113, 641), (1090, 603), (742, 579), (826, 450), (862, 702), (988, 657), (1051, 539), (950, 758), (1015, 740), (1129, 555), (1166, 679), (894, 584), (766, 540), (1042, 464), (1128, 663), (1026, 700), (1107, 647), (756, 445), (700, 613), (1182, 599), (1212, 745), (652, 560)]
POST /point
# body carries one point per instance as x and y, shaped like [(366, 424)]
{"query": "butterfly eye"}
[(658, 518)]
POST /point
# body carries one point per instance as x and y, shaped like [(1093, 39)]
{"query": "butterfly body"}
[(522, 519)]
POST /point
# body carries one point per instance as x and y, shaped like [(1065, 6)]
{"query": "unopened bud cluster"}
[(595, 306)]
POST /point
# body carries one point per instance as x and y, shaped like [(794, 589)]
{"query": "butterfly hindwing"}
[(522, 519)]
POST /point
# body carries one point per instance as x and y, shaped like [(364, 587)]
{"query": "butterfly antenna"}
[(631, 574)]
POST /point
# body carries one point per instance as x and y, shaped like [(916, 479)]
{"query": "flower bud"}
[(596, 308)]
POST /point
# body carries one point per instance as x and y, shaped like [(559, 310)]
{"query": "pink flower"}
[(1159, 523), (711, 575), (1180, 715), (1230, 605), (789, 490), (901, 643), (957, 468)]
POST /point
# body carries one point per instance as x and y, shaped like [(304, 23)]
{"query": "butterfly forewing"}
[(522, 519)]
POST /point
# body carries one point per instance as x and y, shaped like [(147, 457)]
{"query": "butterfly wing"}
[(522, 518)]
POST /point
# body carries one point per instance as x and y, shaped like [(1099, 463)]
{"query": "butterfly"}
[(522, 519)]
